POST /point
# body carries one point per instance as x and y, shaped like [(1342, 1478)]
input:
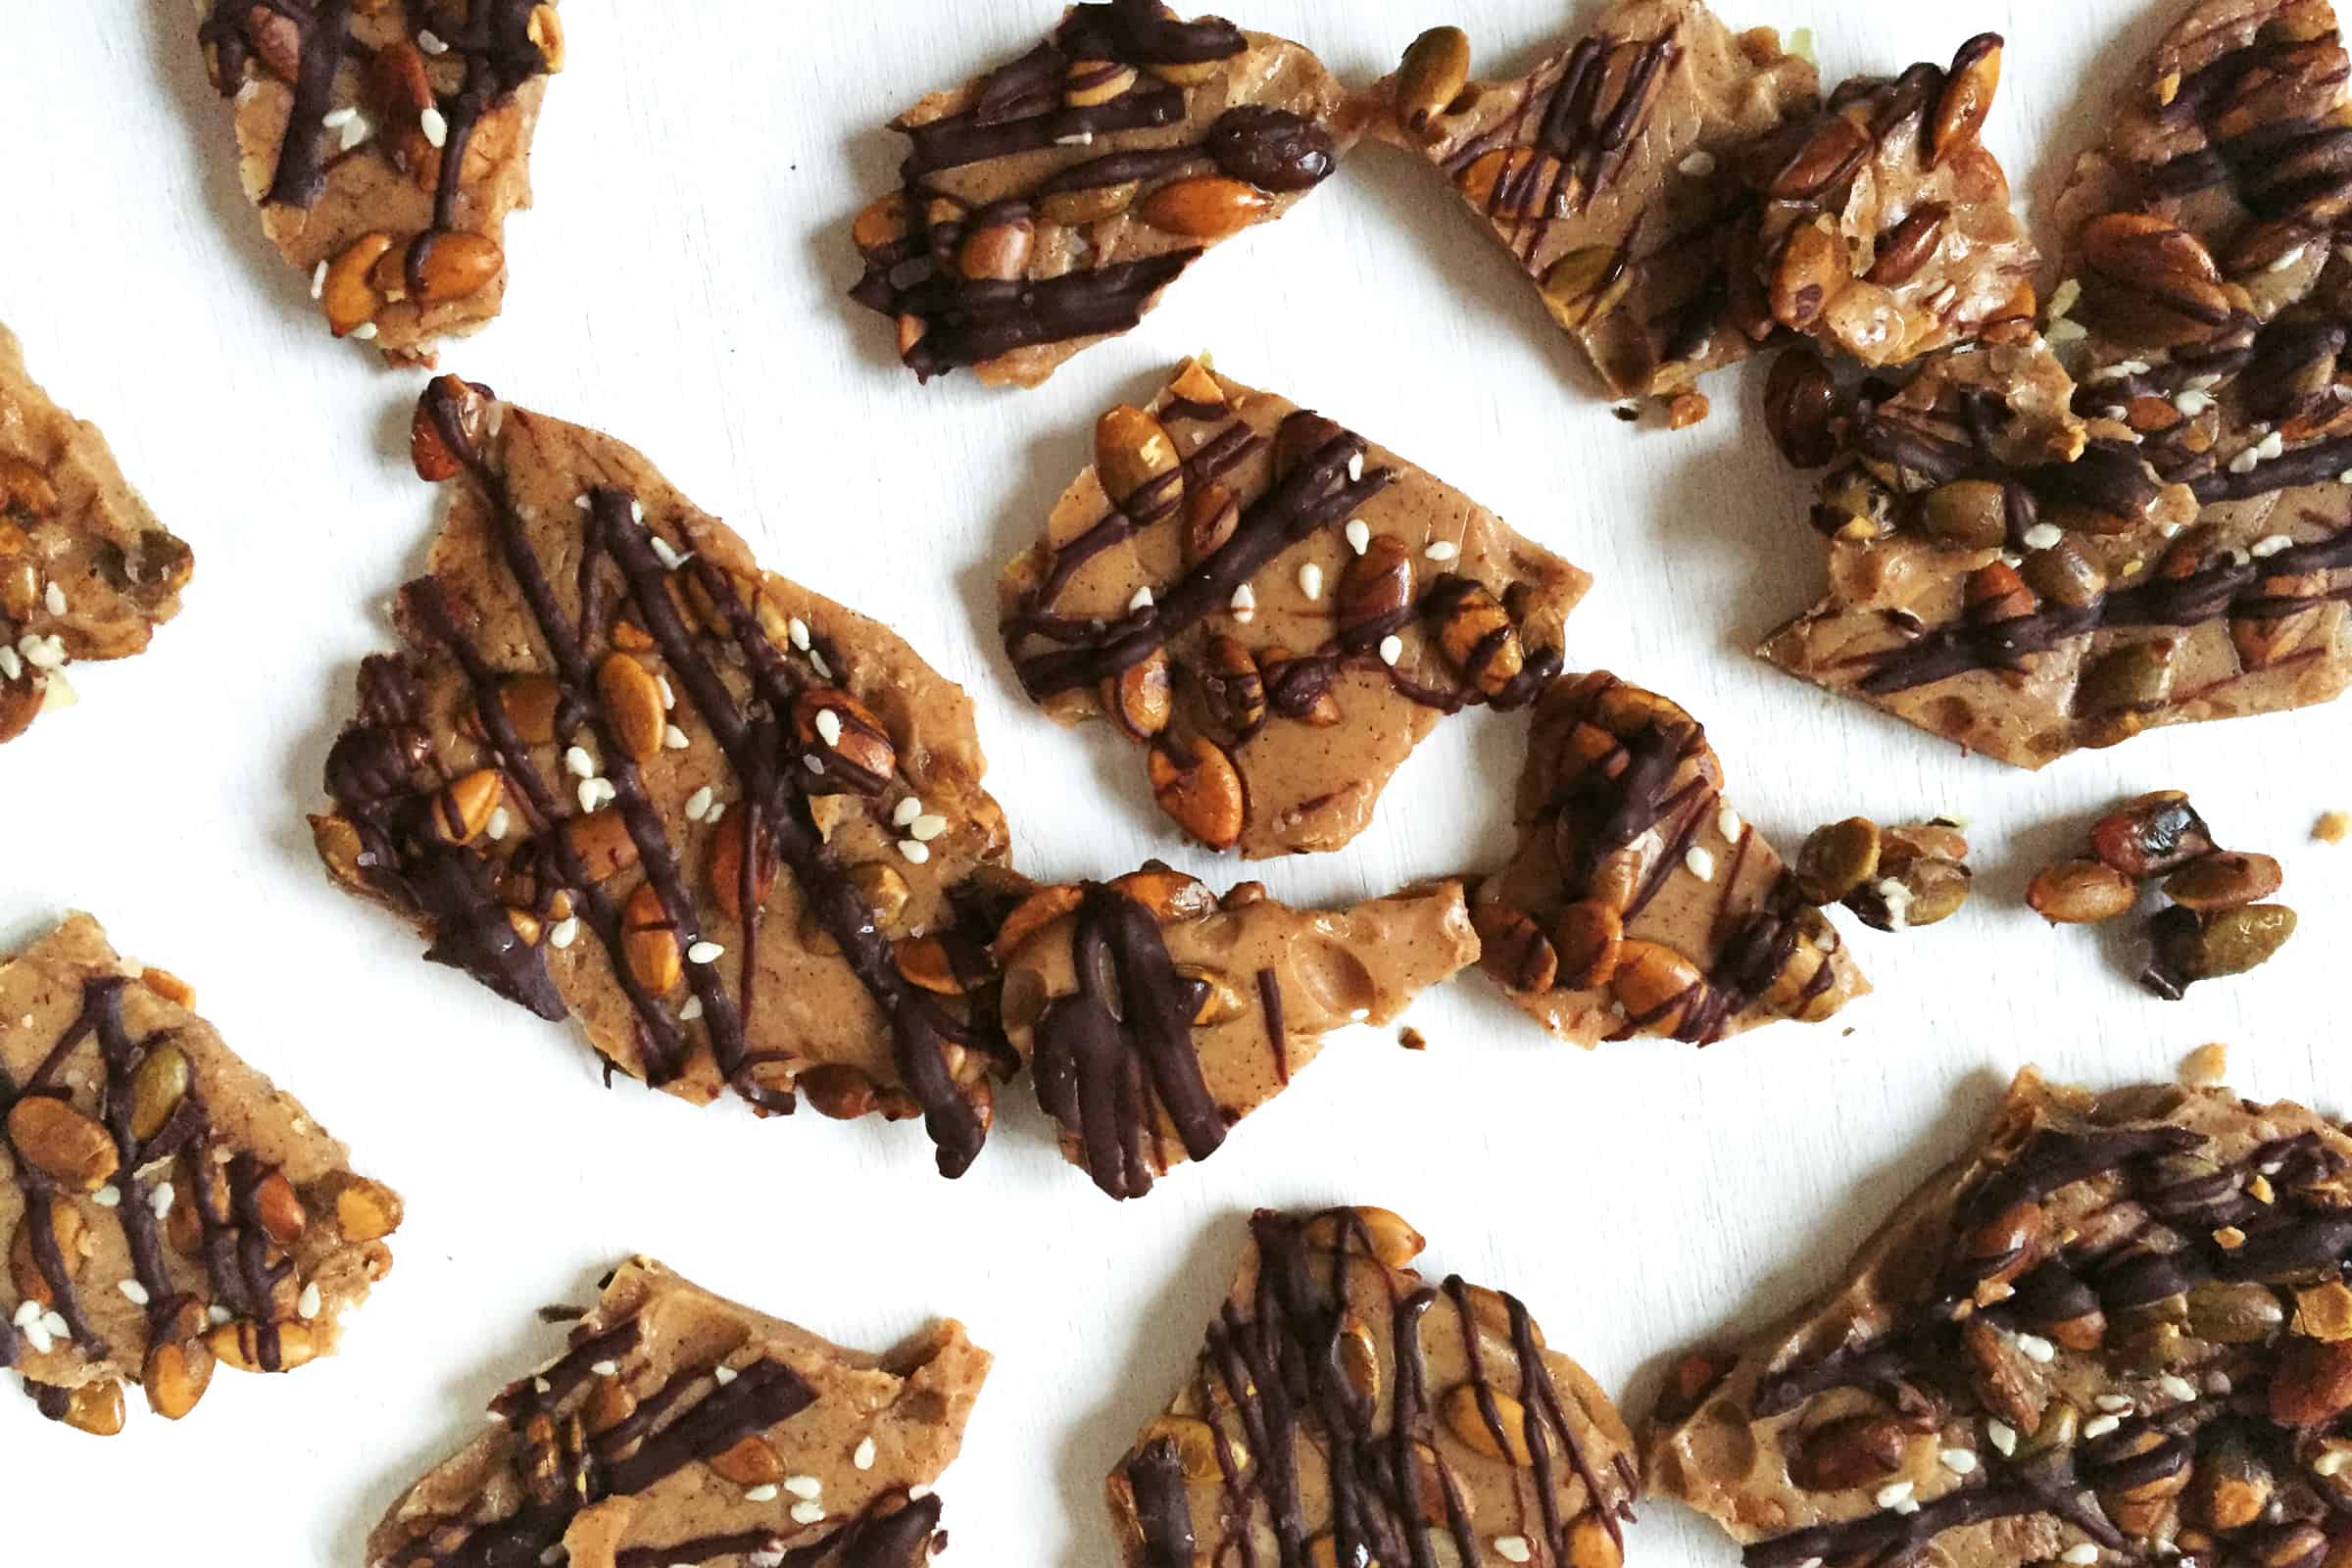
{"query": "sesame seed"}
[(696, 803), (669, 698), (1442, 550), (798, 631), (1310, 581), (158, 1202), (36, 1334), (28, 1312), (356, 130), (1391, 649), (2218, 1385), (595, 793), (688, 1012), (540, 1385), (581, 501), (705, 952), (2080, 1552), (712, 816), (1244, 600), (2269, 545), (862, 1456), (1959, 1461), (107, 1196), (42, 653), (431, 42), (915, 851), (2037, 1349), (817, 662), (1359, 536), (1076, 138), (2175, 1387), (1140, 602), (11, 665), (828, 726), (1355, 467), (1700, 863), (1894, 1494), (2286, 259), (1728, 823), (2192, 402), (308, 1305), (434, 125), (763, 1494), (2271, 446), (2100, 1426), (133, 1291), (605, 1369), (337, 119), (2113, 1403), (579, 763), (58, 1326), (2331, 1463), (2003, 1436), (1941, 300), (906, 812), (636, 510), (2065, 332), (1513, 1548), (498, 822), (927, 827), (2064, 297), (567, 931), (318, 282), (2043, 535), (220, 1315), (673, 738), (807, 1513), (1699, 165), (668, 554), (803, 1485)]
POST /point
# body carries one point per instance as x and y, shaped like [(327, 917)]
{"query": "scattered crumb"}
[(2206, 1068), (2332, 827), (1412, 1039), (560, 1312)]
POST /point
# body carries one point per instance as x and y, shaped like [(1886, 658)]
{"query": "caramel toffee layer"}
[(1277, 609), (1154, 1015), (2118, 1333), (1347, 1411), (681, 1428), (1048, 203), (603, 689), (168, 1210), (1612, 174), (86, 570), (386, 146), (1640, 901)]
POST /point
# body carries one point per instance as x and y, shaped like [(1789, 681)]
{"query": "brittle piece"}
[(621, 773), (2117, 1332), (1274, 608), (1610, 174), (1046, 206), (2005, 575), (680, 1427), (1154, 1015), (86, 572), (1640, 902), (1347, 1410), (385, 145), (169, 1211), (1886, 226)]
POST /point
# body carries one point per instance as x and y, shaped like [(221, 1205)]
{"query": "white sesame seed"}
[(581, 501), (567, 931), (927, 827), (42, 653), (2063, 296), (803, 1485), (337, 119), (540, 1385), (807, 1513), (28, 1312), (1359, 536), (1700, 863), (798, 631), (2175, 1387), (318, 282), (689, 1011), (431, 42), (2271, 446), (906, 812), (915, 852), (817, 662), (1941, 300), (605, 1369), (636, 510), (668, 554), (1728, 823), (2269, 546), (2331, 1463), (2113, 1403), (11, 665), (499, 821), (711, 816), (762, 1494), (107, 1196), (2043, 535), (595, 793), (696, 803), (1244, 600), (1959, 1461), (1442, 550), (2286, 259), (2080, 1552), (2003, 1436), (579, 763), (1076, 138), (434, 125), (1310, 581), (158, 1202), (1513, 1548), (828, 726), (1140, 601), (36, 1335), (2099, 1426), (1391, 649), (1699, 165), (133, 1291), (58, 1326), (356, 130), (669, 698), (1893, 1493), (722, 1375), (220, 1315), (2191, 402), (308, 1305), (1355, 467), (2037, 1349), (673, 738), (2218, 1385), (705, 952), (862, 1456)]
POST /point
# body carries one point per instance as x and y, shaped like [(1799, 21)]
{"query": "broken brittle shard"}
[(1640, 901), (618, 772), (170, 1211), (1154, 1015), (86, 572), (1274, 609), (680, 1427), (386, 146), (2041, 549), (1047, 205), (2117, 1331), (1346, 1410)]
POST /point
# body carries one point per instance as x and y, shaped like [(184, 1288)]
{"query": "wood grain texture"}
[(680, 284)]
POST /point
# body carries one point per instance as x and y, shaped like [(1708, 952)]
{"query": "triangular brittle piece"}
[(1347, 1409), (2114, 1332), (385, 145), (86, 572), (2001, 570), (1154, 1015), (1045, 205), (168, 1210), (680, 1427), (1640, 901), (1611, 173), (1275, 609), (621, 773)]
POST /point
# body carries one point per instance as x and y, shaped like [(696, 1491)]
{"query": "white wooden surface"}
[(681, 285)]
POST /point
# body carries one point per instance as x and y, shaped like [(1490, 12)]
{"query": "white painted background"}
[(680, 286)]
